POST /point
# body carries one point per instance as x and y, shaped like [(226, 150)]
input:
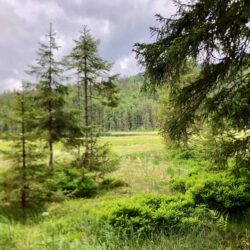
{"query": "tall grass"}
[(76, 224)]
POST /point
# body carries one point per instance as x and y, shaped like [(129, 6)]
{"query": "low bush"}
[(75, 183), (102, 160), (178, 184), (110, 183), (153, 213), (221, 192)]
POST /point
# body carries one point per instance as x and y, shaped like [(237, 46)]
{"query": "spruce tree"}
[(50, 93), (23, 182), (214, 35), (94, 81)]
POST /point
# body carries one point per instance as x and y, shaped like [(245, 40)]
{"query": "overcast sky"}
[(117, 23)]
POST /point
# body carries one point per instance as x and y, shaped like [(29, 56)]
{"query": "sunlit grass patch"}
[(131, 144)]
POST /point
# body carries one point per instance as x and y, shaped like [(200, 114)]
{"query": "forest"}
[(90, 159), (137, 110)]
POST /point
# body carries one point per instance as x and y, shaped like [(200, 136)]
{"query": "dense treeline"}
[(7, 100), (136, 110)]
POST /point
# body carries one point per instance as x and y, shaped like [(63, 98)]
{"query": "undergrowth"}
[(172, 212)]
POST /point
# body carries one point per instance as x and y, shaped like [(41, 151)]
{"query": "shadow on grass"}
[(13, 213)]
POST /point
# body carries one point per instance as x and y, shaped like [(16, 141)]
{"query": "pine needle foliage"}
[(93, 82), (214, 36), (50, 94), (23, 183)]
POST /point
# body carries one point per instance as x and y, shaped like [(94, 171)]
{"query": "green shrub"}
[(153, 213), (75, 183), (178, 184), (102, 160), (221, 192), (109, 183)]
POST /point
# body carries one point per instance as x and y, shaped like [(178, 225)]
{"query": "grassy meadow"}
[(145, 166)]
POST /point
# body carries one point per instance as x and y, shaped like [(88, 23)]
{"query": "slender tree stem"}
[(50, 139), (23, 139), (86, 108), (79, 108)]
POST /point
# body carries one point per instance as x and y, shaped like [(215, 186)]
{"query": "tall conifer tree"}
[(94, 81), (51, 93), (215, 36), (23, 183)]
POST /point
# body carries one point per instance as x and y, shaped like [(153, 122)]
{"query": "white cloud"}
[(100, 28), (10, 84), (31, 10), (118, 24), (126, 66)]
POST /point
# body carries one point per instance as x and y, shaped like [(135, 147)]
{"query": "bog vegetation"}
[(159, 160)]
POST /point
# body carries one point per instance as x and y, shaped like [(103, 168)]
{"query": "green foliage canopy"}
[(214, 36)]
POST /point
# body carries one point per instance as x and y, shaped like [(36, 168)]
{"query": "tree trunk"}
[(79, 108), (91, 119), (185, 140), (50, 155), (24, 186), (86, 108), (50, 140)]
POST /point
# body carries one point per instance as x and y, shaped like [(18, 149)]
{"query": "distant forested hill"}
[(136, 110), (6, 102)]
